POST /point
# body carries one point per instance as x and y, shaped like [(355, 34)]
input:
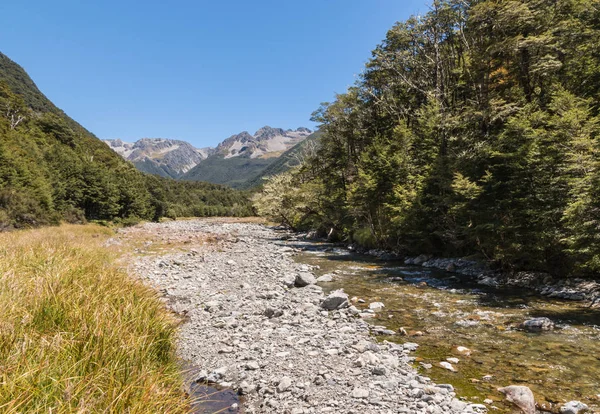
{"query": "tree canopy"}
[(473, 130)]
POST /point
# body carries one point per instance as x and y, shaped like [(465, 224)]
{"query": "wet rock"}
[(477, 408), (447, 366), (336, 300), (537, 325), (489, 281), (463, 350), (520, 396), (574, 407), (420, 260), (304, 279), (376, 306), (325, 278)]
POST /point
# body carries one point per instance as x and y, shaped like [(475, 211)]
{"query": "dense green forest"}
[(473, 130), (233, 172), (52, 169)]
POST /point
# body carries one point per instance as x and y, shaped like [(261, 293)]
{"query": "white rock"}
[(360, 393), (463, 350), (447, 366), (325, 278), (573, 407), (376, 306), (284, 384), (520, 396)]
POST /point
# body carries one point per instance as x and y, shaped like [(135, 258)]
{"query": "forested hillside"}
[(240, 158), (289, 159), (473, 130), (51, 169)]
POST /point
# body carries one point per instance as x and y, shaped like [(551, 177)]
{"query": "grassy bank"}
[(76, 333)]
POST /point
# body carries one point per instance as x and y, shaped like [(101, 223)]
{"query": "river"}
[(442, 311)]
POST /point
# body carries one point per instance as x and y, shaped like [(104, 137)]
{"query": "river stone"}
[(537, 325), (376, 306), (420, 260), (284, 384), (573, 407), (336, 300), (325, 278), (463, 350), (520, 396), (246, 388), (447, 366), (360, 393), (304, 279)]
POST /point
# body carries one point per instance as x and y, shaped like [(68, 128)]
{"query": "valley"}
[(239, 161)]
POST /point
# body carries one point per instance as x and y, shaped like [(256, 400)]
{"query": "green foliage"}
[(285, 162), (52, 169), (473, 130), (233, 172)]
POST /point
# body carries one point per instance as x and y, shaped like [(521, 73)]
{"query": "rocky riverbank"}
[(575, 289), (257, 323)]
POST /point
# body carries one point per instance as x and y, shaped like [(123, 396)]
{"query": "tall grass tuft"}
[(78, 335)]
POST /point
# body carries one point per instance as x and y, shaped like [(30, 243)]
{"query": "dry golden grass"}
[(78, 335)]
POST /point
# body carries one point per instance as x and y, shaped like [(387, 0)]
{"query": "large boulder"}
[(520, 396), (537, 325), (304, 279), (336, 300), (419, 260)]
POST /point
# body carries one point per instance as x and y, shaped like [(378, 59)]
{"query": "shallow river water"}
[(441, 311)]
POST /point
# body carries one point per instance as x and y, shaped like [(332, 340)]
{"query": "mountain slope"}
[(265, 143), (286, 161), (165, 157), (52, 169), (243, 156)]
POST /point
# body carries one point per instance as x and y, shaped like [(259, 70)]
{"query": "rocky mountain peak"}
[(267, 132), (174, 158)]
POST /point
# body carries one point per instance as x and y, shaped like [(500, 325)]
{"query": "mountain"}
[(243, 156), (283, 163), (234, 160), (267, 142), (53, 169), (165, 157)]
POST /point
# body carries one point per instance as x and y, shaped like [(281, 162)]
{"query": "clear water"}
[(451, 310)]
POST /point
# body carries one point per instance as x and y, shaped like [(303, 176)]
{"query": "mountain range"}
[(237, 161)]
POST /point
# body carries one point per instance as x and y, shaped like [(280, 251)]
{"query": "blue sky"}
[(194, 70)]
